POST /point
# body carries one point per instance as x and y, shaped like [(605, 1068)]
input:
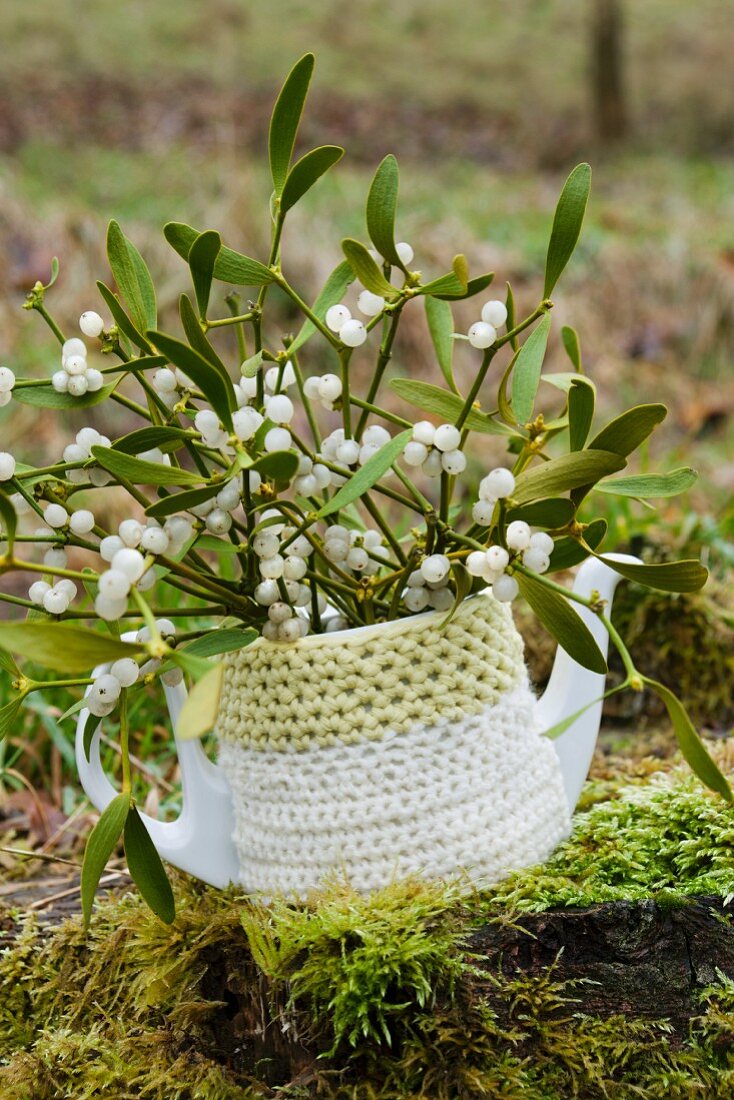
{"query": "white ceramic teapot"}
[(397, 749)]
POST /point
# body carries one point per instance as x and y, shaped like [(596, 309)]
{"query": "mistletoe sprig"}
[(281, 500)]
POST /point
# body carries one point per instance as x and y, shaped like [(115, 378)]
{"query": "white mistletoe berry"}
[(60, 381), (56, 515), (542, 541), (271, 568), (7, 466), (154, 540), (476, 563), (131, 532), (55, 558), (7, 380), (358, 559), (55, 602), (536, 559), (447, 437), (266, 544), (77, 385), (370, 304), (113, 584), (353, 333), (74, 346), (218, 522), (435, 567), (82, 521), (38, 590), (482, 512), (329, 387), (494, 313), (348, 452), (246, 422), (280, 378), (518, 535), (278, 439), (295, 568), (453, 462), (91, 323), (415, 453), (280, 409), (110, 608), (497, 558), (424, 432), (130, 562), (267, 592), (405, 252), (505, 588), (376, 436), (416, 599), (432, 466), (337, 316), (164, 381), (482, 335), (441, 599), (498, 484), (125, 671)]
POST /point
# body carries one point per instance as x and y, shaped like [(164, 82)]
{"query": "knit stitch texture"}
[(329, 689), (431, 763)]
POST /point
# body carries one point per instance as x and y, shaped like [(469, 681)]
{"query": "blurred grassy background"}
[(155, 111), (149, 112)]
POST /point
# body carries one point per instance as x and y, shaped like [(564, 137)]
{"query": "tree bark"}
[(640, 959), (607, 71)]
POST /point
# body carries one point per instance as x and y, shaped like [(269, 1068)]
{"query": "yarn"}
[(330, 689), (385, 752)]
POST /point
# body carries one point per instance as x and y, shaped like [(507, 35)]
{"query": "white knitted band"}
[(480, 796)]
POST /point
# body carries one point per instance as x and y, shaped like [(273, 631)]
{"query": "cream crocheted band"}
[(399, 750), (350, 687)]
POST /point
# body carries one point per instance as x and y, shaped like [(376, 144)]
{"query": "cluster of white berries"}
[(337, 448), (76, 376), (483, 333), (326, 390), (167, 382), (350, 330), (111, 679), (7, 381), (54, 599), (282, 574), (217, 511), (353, 549), (171, 676), (428, 586), (311, 477), (108, 683), (275, 380), (435, 449), (57, 518), (497, 485), (81, 451), (491, 564), (127, 566)]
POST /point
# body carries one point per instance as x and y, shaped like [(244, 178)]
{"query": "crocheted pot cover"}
[(395, 750)]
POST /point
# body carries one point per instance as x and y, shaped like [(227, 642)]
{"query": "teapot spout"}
[(572, 687)]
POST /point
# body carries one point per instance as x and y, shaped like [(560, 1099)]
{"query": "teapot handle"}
[(199, 841)]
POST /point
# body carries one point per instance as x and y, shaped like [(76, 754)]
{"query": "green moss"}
[(362, 963), (666, 836), (383, 986), (686, 641)]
